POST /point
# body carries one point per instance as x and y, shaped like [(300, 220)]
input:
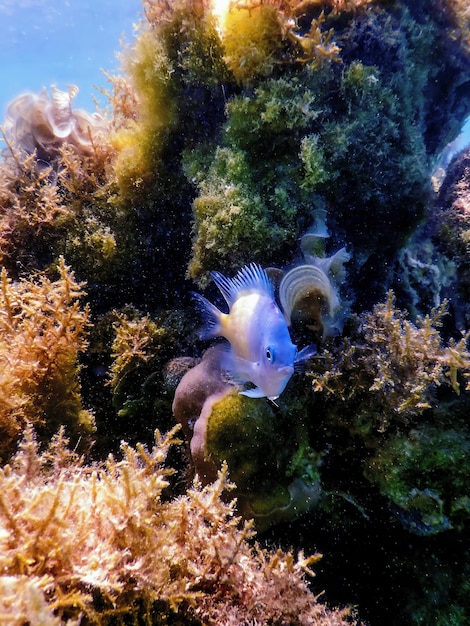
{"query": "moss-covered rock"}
[(424, 473)]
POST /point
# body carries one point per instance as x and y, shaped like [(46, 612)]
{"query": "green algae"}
[(425, 473), (268, 456)]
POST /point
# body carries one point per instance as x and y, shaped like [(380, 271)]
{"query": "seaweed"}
[(102, 545), (43, 329)]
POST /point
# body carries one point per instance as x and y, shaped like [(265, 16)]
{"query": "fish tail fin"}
[(212, 317)]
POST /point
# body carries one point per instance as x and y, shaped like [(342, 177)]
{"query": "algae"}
[(225, 143)]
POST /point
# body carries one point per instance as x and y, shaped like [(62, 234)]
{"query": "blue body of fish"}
[(261, 350)]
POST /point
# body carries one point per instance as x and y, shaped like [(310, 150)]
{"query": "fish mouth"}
[(284, 373)]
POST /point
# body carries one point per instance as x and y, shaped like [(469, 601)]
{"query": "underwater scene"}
[(235, 323)]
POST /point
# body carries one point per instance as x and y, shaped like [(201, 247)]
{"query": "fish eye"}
[(269, 354)]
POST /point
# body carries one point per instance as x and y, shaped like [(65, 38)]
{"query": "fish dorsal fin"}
[(250, 278)]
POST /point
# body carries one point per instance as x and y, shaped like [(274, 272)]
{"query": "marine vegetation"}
[(298, 138), (57, 205), (401, 364), (138, 370), (142, 557), (398, 363), (43, 329), (289, 147)]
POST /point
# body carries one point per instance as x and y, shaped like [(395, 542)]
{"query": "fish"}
[(261, 350)]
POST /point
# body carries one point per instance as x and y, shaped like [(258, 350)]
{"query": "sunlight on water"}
[(220, 9)]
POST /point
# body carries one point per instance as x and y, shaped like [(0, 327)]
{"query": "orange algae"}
[(60, 204), (397, 362), (103, 545), (42, 330)]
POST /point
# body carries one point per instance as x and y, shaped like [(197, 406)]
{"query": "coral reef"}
[(101, 545)]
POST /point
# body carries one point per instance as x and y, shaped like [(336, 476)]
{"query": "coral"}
[(257, 36), (317, 48), (102, 544), (43, 328)]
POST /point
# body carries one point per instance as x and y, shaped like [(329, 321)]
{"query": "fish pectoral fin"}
[(301, 358), (253, 393), (241, 370), (306, 353)]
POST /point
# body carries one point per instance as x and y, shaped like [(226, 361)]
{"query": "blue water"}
[(46, 43)]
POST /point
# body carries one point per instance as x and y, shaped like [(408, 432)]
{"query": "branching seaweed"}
[(102, 543), (408, 361), (43, 328), (396, 363)]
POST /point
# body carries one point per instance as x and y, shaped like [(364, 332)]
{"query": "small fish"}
[(261, 350)]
